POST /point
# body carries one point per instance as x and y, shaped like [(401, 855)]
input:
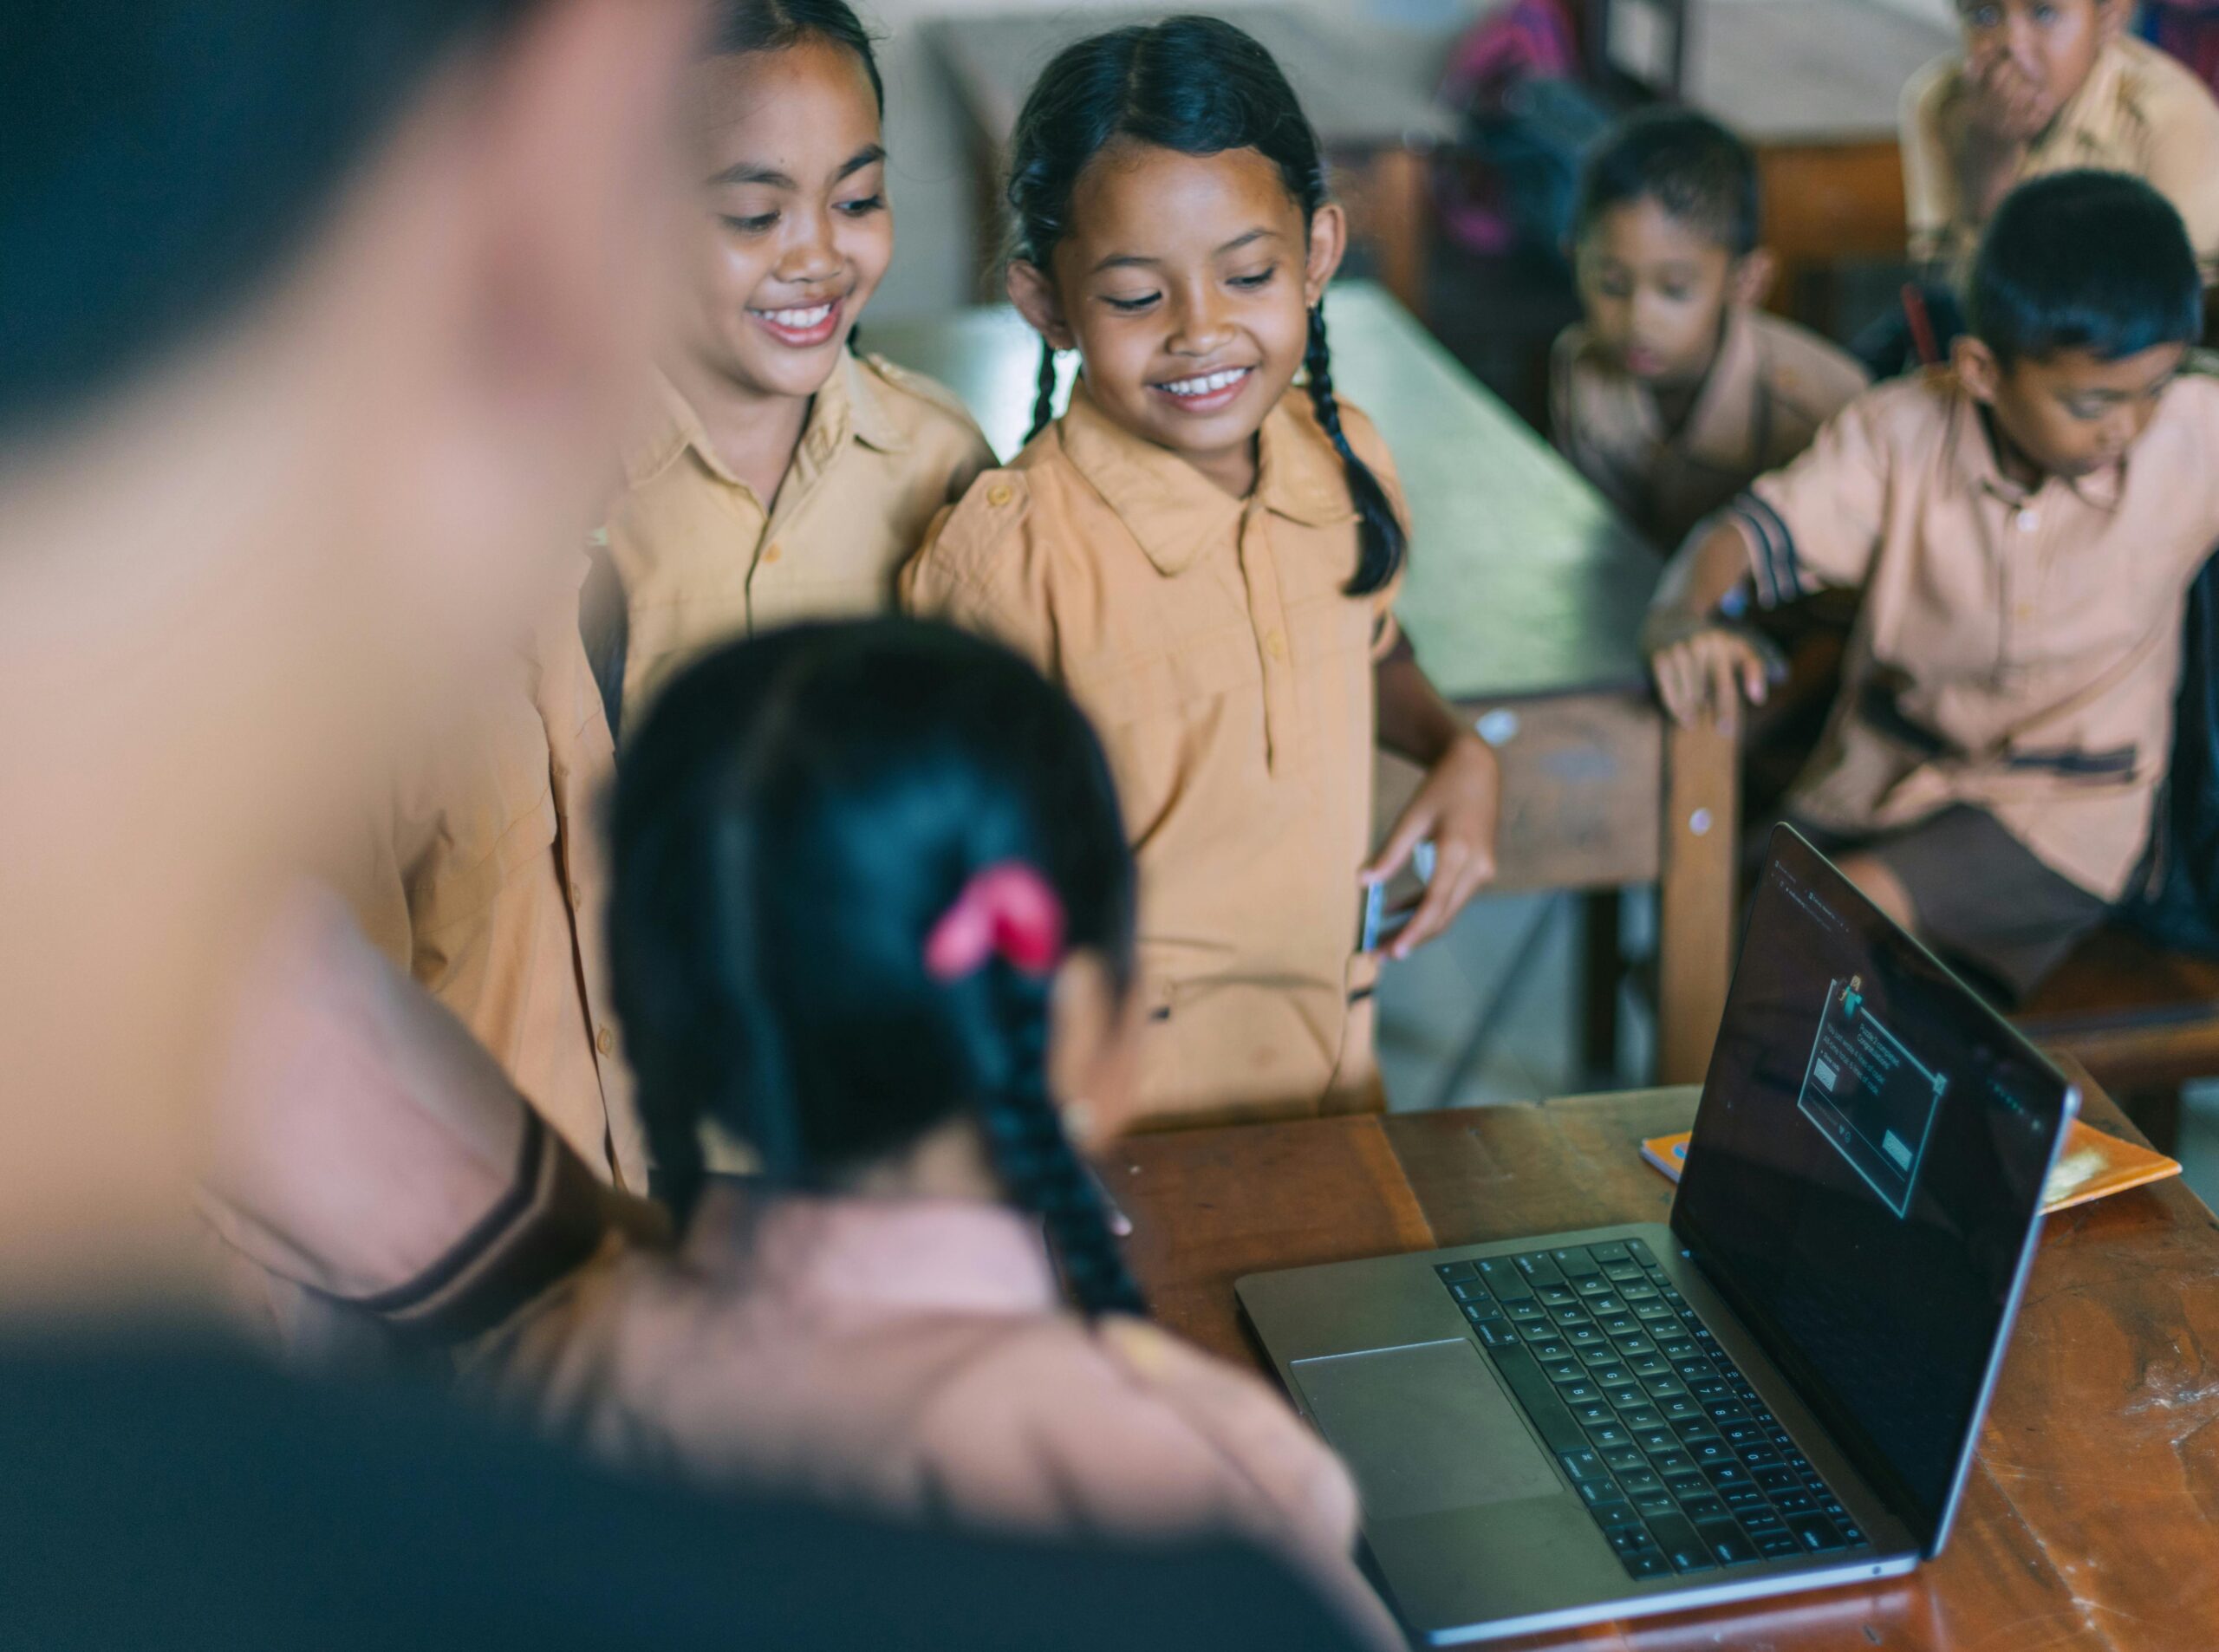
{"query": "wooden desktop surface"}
[(2092, 1522)]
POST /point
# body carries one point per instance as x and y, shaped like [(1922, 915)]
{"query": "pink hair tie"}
[(1005, 911)]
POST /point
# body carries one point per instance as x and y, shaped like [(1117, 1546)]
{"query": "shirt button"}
[(2028, 522), (774, 553), (605, 1041), (1000, 494), (1275, 645)]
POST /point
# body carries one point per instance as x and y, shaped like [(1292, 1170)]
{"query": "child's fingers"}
[(1401, 844), (1439, 903), (1670, 667), (1756, 677)]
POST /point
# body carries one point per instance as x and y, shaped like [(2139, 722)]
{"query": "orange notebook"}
[(2092, 1166)]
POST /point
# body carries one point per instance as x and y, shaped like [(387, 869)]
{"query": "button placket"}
[(1267, 617)]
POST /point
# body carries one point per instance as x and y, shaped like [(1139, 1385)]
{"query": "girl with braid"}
[(1205, 553), (874, 916)]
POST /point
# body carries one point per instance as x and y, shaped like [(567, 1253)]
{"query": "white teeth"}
[(1208, 384), (799, 320)]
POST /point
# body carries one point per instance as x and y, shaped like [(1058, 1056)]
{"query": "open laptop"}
[(1779, 1391)]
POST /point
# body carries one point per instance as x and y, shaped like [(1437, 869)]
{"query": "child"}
[(874, 913), (1207, 558), (2023, 529), (789, 476), (1677, 392), (483, 880), (2045, 86)]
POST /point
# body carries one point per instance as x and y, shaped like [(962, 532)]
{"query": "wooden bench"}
[(2143, 1020)]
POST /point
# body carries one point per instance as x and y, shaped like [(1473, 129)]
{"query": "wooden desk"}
[(2091, 1524), (1814, 86), (1374, 113), (1524, 600)]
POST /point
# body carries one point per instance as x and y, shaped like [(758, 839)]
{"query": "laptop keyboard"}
[(1679, 1462)]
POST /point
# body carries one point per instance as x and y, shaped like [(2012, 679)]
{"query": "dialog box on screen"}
[(1869, 1096)]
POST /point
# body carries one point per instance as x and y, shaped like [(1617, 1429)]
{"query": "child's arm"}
[(1457, 806), (1700, 665)]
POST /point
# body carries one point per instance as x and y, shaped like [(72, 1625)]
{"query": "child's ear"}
[(1976, 368), (2112, 18), (1034, 295), (1329, 243), (1754, 274)]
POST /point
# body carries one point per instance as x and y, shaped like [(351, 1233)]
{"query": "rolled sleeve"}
[(1817, 524)]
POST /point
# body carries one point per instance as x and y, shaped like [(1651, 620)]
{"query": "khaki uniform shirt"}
[(1231, 680), (2016, 651), (2139, 112), (1772, 385), (704, 561), (489, 886)]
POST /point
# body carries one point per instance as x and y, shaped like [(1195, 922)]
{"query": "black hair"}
[(799, 812), (1199, 85), (1699, 173), (741, 26), (163, 161), (2084, 261), (738, 26)]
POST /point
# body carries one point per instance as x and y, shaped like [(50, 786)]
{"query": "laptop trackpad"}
[(1424, 1427)]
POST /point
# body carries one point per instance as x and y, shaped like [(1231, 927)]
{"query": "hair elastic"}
[(1005, 911)]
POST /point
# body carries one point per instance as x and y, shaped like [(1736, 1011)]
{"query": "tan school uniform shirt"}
[(704, 561), (2139, 112), (1770, 388), (1230, 678), (2015, 650), (488, 884), (914, 1355)]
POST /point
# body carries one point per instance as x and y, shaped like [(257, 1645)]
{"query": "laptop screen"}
[(1866, 1167)]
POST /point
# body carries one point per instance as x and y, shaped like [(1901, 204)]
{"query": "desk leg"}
[(1695, 916), (1396, 182)]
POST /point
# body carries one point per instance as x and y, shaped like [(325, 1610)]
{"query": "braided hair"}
[(796, 816), (1201, 87)]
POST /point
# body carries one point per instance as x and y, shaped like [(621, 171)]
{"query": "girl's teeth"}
[(796, 318), (1208, 384)]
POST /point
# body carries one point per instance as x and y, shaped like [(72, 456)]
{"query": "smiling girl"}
[(789, 476), (1206, 556)]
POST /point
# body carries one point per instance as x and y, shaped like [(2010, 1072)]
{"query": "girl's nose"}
[(809, 255)]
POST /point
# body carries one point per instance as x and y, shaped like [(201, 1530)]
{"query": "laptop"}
[(1780, 1389)]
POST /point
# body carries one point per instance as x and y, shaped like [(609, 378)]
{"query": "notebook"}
[(2092, 1166)]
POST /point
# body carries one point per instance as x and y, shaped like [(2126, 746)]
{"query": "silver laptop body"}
[(1780, 1390)]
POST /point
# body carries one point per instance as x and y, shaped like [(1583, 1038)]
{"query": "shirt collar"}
[(943, 1255), (2090, 109), (1972, 449), (1174, 510), (848, 407)]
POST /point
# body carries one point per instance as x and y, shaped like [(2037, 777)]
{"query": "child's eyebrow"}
[(748, 172), (870, 155), (1142, 260)]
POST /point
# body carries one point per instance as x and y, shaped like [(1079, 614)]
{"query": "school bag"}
[(2176, 901), (1514, 77)]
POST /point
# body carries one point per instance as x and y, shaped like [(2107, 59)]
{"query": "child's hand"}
[(1702, 668), (1457, 806), (2006, 106)]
